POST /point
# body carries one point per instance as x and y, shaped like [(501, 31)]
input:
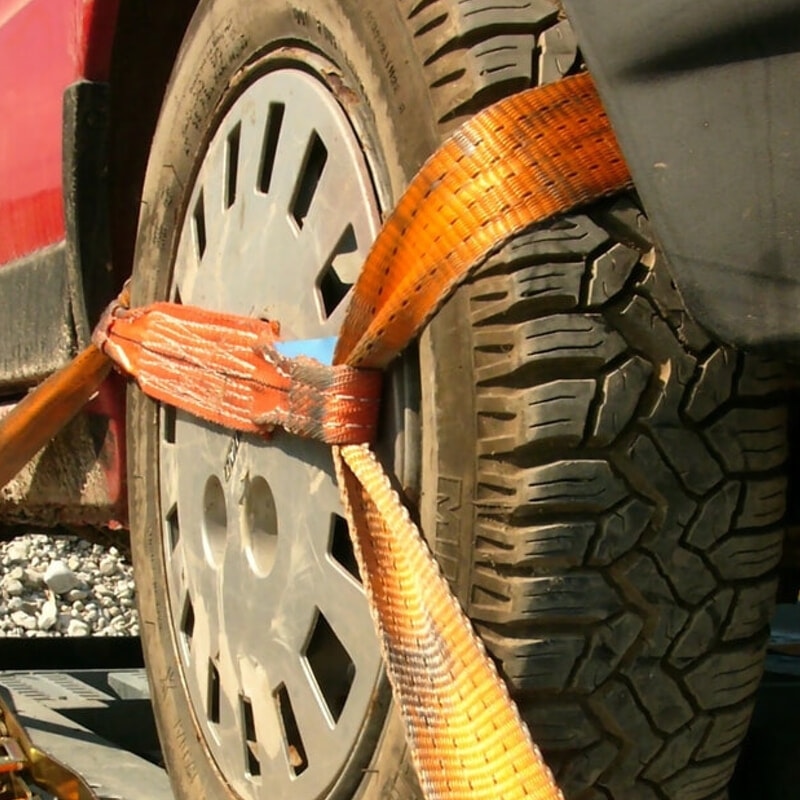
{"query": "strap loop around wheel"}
[(519, 163)]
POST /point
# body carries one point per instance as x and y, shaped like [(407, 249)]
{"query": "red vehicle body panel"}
[(45, 45)]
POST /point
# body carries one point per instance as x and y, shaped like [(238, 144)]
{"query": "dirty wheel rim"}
[(270, 621)]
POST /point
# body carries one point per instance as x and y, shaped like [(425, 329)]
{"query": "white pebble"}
[(48, 617), (60, 578), (77, 627), (23, 620), (108, 566), (17, 551)]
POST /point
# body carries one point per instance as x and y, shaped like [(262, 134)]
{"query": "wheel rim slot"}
[(213, 704), (173, 526), (310, 175), (252, 762), (331, 665), (334, 283), (272, 134), (295, 749), (232, 165), (199, 225), (342, 546)]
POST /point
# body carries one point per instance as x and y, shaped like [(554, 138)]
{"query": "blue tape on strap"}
[(319, 349)]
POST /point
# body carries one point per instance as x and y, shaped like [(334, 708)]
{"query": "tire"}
[(601, 482), (617, 538)]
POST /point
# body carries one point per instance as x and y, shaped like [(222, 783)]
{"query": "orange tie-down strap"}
[(225, 369), (520, 162)]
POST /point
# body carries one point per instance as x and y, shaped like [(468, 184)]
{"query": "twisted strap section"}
[(225, 369)]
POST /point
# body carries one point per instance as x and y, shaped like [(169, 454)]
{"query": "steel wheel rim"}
[(279, 220)]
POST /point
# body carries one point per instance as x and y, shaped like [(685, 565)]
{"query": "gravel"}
[(64, 586)]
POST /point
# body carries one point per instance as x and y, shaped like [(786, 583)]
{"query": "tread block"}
[(748, 555), (620, 530), (553, 414), (702, 781), (664, 619), (543, 664), (725, 732), (677, 751), (688, 456), (585, 767), (725, 678), (621, 394), (576, 339), (752, 611), (676, 506), (658, 693), (523, 293), (620, 709), (691, 580), (562, 725), (491, 68), (558, 52), (702, 629), (610, 272), (712, 385), (571, 597), (567, 240), (641, 324), (606, 647), (534, 545), (439, 27), (714, 517), (761, 377), (663, 294), (750, 439), (573, 487), (764, 503)]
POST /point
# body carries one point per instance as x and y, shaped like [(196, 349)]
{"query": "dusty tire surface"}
[(601, 483), (616, 539)]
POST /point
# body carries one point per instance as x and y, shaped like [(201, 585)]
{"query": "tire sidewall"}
[(227, 44)]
